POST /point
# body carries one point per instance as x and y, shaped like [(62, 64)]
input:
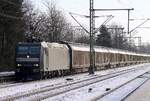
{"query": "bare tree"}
[(67, 33), (82, 38), (57, 25), (35, 23), (49, 26)]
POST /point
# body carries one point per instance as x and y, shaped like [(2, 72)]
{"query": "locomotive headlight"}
[(36, 65), (28, 56), (19, 65)]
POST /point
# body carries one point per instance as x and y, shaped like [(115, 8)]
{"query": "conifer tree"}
[(11, 30)]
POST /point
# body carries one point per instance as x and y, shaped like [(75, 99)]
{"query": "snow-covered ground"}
[(141, 94), (124, 91), (32, 86), (98, 89), (7, 73)]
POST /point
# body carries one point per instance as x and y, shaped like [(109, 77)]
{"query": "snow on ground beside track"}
[(28, 87), (7, 73), (98, 89), (122, 92), (141, 94)]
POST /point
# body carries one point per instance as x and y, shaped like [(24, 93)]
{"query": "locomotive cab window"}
[(34, 50), (28, 50), (22, 50)]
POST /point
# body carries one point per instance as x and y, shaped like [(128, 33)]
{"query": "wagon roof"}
[(53, 45), (83, 47), (104, 50)]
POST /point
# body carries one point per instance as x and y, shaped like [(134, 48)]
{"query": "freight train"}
[(46, 60)]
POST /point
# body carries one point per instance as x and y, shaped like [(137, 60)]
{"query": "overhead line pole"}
[(129, 29), (92, 26)]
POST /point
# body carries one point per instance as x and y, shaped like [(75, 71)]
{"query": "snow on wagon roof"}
[(53, 45), (80, 47), (86, 48), (97, 49)]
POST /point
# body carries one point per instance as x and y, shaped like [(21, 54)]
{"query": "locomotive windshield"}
[(34, 50), (22, 50), (28, 50)]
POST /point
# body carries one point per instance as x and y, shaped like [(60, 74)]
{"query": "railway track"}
[(15, 84), (51, 91), (103, 90), (122, 89), (4, 79)]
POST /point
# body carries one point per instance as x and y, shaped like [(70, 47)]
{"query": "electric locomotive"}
[(27, 61)]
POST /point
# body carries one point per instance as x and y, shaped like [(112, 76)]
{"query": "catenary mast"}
[(92, 26)]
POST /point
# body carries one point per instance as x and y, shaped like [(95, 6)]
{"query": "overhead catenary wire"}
[(79, 23), (104, 23), (77, 14), (139, 25), (86, 16), (109, 17), (144, 27), (136, 19)]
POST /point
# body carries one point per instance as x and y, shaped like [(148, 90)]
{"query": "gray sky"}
[(141, 10)]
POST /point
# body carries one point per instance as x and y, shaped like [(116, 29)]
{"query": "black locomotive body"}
[(28, 61)]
